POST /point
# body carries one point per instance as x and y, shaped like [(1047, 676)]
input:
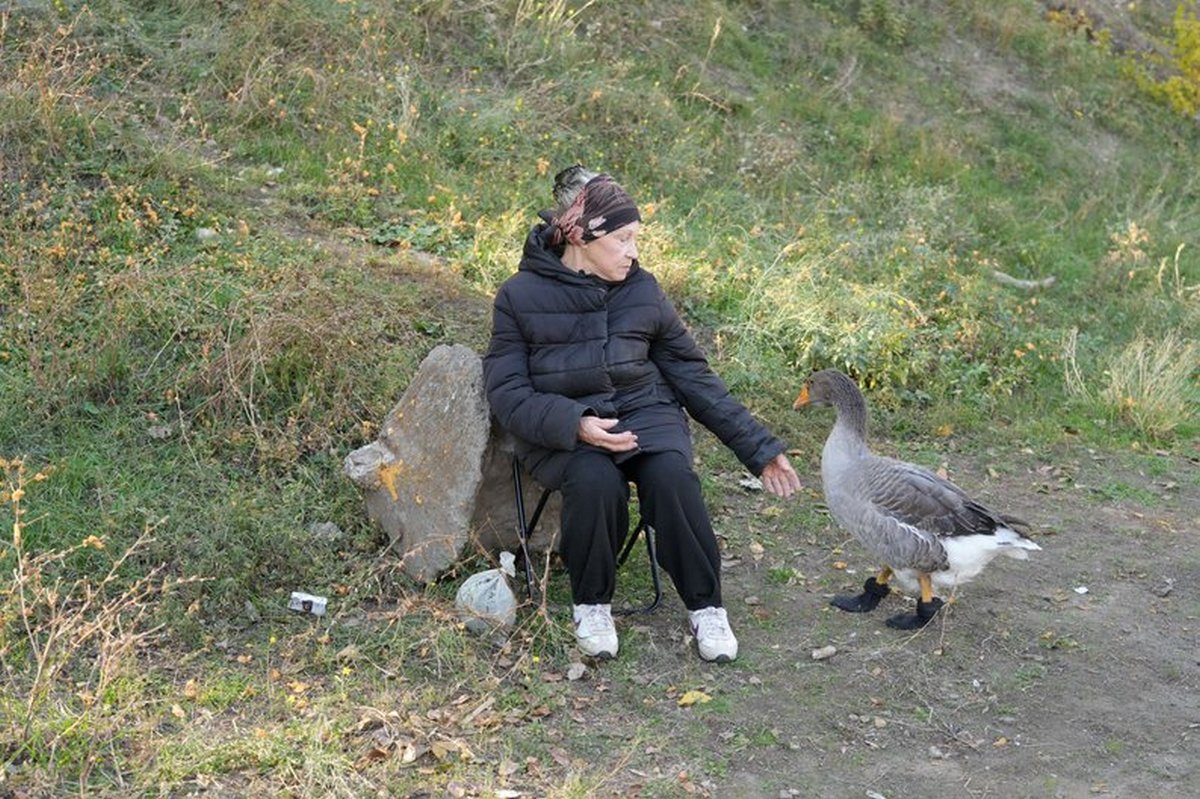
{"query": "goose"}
[(926, 530)]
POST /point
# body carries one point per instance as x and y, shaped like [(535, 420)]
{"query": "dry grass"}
[(1152, 384), (70, 644)]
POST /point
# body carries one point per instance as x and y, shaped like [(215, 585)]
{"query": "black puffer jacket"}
[(565, 344)]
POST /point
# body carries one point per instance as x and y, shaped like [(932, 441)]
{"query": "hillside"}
[(230, 231)]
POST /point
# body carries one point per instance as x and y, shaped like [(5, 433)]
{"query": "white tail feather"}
[(969, 554)]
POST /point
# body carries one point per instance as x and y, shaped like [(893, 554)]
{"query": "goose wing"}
[(915, 496)]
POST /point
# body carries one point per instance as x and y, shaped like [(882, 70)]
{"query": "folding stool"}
[(526, 527)]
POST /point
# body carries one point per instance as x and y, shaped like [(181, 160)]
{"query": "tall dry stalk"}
[(1072, 378)]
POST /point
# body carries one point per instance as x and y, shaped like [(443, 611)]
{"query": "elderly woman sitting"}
[(592, 370)]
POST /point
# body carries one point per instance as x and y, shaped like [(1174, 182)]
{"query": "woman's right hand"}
[(594, 430), (780, 478)]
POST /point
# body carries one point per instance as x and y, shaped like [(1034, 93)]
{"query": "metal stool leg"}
[(647, 532), (525, 529)]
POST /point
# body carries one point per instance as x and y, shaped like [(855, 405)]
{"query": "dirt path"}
[(1074, 674)]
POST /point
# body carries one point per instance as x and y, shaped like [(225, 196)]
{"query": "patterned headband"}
[(601, 207)]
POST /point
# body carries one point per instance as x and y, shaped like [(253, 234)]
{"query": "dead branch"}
[(1019, 283)]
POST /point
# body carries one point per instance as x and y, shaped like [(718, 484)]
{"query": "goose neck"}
[(852, 417)]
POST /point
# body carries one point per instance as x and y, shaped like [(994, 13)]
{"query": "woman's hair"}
[(567, 185), (588, 205)]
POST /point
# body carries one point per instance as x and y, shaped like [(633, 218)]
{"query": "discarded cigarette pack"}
[(307, 603)]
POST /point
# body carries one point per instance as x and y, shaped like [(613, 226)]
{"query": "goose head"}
[(830, 387)]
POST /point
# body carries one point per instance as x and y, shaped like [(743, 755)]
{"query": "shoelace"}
[(711, 623), (595, 620)]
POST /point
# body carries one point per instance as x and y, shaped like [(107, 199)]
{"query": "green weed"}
[(1115, 490), (1028, 676)]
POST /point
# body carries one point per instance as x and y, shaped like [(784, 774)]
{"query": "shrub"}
[(1174, 79), (1182, 90)]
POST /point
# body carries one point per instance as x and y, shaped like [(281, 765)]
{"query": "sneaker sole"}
[(605, 655)]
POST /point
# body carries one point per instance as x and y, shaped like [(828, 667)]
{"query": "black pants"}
[(595, 522)]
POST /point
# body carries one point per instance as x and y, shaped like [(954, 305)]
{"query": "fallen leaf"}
[(375, 753), (693, 697)]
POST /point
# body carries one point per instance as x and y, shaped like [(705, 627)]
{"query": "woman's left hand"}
[(780, 478)]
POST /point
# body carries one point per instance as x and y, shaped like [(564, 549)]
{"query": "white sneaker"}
[(594, 630), (714, 639)]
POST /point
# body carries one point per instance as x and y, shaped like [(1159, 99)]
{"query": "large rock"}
[(438, 479)]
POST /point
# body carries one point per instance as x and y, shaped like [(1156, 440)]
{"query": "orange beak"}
[(801, 400)]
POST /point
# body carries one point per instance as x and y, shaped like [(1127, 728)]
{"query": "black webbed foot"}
[(873, 593), (915, 621)]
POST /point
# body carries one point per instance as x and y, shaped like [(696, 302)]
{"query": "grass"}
[(227, 240), (1122, 491)]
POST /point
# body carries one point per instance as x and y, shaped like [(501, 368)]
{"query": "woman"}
[(591, 369)]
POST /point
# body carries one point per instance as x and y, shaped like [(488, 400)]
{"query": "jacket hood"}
[(542, 258)]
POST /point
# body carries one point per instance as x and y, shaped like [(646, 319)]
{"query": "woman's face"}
[(611, 256)]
